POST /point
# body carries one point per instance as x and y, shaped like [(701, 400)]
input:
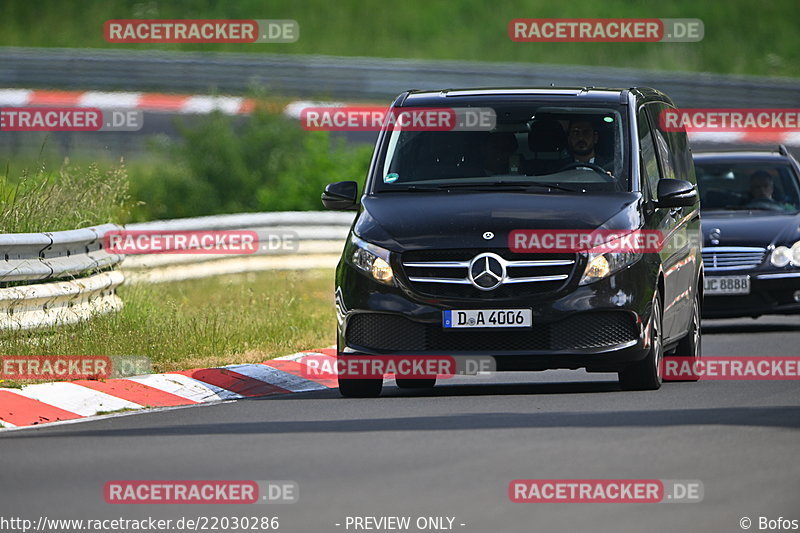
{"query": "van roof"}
[(587, 94)]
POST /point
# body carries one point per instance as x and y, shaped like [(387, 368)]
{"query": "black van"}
[(458, 226)]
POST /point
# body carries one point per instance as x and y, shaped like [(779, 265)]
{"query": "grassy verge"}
[(218, 164), (224, 165), (69, 198), (245, 318), (741, 36)]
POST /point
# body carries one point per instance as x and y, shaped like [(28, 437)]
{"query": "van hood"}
[(408, 221)]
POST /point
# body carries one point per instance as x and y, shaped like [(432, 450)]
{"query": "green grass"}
[(220, 165), (43, 199), (741, 36), (217, 165), (245, 318), (115, 411)]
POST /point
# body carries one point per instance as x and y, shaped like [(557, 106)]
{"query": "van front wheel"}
[(647, 373)]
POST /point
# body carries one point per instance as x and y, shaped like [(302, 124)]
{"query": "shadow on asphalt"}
[(726, 328), (444, 389), (778, 416)]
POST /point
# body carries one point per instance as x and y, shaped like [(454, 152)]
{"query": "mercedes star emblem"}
[(714, 236), (487, 271)]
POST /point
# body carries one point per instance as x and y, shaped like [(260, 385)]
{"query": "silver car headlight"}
[(371, 259), (783, 255)]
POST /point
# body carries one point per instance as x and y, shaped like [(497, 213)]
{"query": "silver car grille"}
[(446, 273), (719, 258), (459, 271)]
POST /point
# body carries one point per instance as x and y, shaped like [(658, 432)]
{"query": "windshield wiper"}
[(550, 186), (487, 186), (484, 186), (748, 208), (513, 185), (418, 188)]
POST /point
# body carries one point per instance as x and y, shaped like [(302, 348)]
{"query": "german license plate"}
[(488, 318), (727, 285)]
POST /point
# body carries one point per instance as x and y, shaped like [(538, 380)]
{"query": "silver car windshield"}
[(748, 187)]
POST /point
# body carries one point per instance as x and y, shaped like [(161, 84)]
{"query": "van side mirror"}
[(341, 195), (676, 193)]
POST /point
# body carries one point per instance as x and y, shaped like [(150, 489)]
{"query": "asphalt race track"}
[(449, 452)]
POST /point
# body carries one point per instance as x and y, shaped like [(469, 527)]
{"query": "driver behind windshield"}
[(582, 140), (762, 188)]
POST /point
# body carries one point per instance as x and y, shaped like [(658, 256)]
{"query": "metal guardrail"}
[(31, 261), (300, 219), (359, 77), (59, 303), (35, 268), (41, 256), (316, 237)]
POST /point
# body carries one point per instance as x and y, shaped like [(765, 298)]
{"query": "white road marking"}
[(74, 398)]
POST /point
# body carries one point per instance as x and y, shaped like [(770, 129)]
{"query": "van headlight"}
[(783, 255), (371, 259), (602, 265)]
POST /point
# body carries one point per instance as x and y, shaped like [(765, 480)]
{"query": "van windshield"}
[(529, 147)]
